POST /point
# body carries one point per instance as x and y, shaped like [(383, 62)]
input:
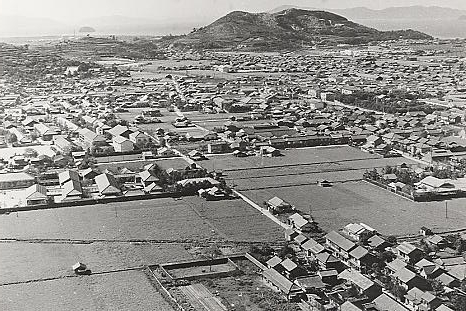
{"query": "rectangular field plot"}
[(127, 290), (235, 220), (347, 202), (55, 259)]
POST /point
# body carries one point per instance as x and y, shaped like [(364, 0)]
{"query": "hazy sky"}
[(72, 10)]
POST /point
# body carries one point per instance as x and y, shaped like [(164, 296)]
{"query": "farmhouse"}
[(107, 185), (71, 191), (36, 195), (277, 205), (280, 282), (435, 185)]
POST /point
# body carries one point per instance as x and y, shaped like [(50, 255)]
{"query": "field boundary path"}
[(262, 210)]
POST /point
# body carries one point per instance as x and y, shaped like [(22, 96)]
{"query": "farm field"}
[(235, 220), (336, 206), (54, 260), (126, 290), (290, 157), (157, 219)]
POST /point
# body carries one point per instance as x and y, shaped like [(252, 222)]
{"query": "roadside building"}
[(36, 195)]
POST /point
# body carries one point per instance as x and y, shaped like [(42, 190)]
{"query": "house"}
[(359, 232), (311, 284), (408, 252), (339, 244), (120, 130), (196, 155), (349, 306), (122, 144), (376, 242), (273, 262), (290, 269), (67, 175), (71, 191), (418, 300), (217, 147), (90, 138), (36, 195), (277, 205), (364, 285), (301, 224), (212, 194), (360, 258), (107, 185), (268, 151), (327, 261), (386, 302), (431, 184), (146, 178), (45, 132), (280, 282), (139, 138), (408, 279)]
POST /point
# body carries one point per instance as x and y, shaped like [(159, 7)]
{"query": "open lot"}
[(126, 290), (359, 201)]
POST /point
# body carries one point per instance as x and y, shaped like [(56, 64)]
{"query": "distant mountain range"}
[(287, 29), (392, 13)]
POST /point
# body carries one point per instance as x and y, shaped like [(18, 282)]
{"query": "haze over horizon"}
[(55, 17), (165, 10)]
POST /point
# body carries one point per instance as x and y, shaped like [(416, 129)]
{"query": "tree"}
[(399, 291), (391, 239), (286, 251), (460, 246), (212, 252), (30, 153), (459, 302), (12, 138)]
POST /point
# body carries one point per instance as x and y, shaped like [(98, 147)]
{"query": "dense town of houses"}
[(411, 104), (356, 268), (75, 114)]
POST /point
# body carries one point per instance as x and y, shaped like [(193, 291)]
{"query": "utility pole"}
[(446, 209)]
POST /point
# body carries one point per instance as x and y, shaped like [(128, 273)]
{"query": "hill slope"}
[(286, 29)]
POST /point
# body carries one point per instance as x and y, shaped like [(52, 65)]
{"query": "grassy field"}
[(127, 290), (347, 202), (296, 167), (107, 237)]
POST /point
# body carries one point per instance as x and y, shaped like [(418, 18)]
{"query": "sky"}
[(165, 10)]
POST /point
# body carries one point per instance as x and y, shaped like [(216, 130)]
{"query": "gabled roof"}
[(68, 175), (107, 184), (405, 275), (72, 188), (36, 192), (279, 280), (359, 252), (288, 264), (356, 278), (407, 248), (348, 306), (340, 240), (385, 302), (274, 261)]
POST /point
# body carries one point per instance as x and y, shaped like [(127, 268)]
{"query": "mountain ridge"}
[(285, 29)]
